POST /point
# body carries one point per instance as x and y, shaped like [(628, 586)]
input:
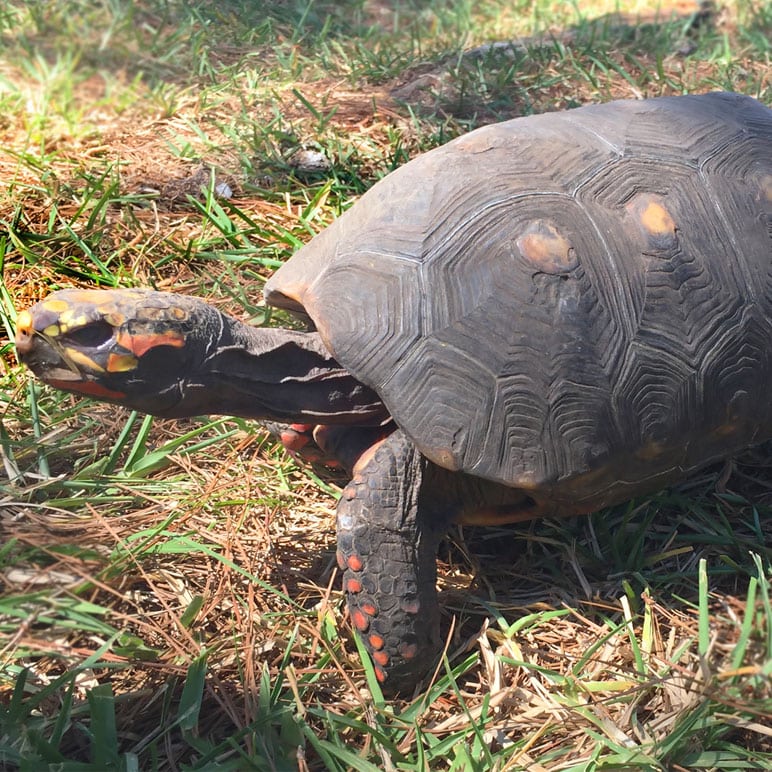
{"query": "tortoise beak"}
[(24, 333), (40, 352)]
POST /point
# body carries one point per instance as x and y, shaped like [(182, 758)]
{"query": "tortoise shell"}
[(578, 304)]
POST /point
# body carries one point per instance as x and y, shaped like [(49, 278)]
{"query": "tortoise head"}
[(176, 356), (135, 348)]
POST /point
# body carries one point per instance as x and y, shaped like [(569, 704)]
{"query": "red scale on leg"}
[(295, 437), (360, 620), (299, 440), (387, 537), (353, 585), (369, 608), (380, 658), (410, 606)]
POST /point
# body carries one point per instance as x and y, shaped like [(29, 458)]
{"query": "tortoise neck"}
[(279, 375)]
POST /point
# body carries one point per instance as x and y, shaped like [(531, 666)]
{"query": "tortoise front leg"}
[(387, 548)]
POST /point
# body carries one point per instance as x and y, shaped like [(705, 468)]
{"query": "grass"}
[(168, 594)]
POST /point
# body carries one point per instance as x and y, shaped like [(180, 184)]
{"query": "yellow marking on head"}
[(80, 359), (52, 331), (55, 306), (546, 248), (656, 219), (115, 319), (24, 322), (121, 363), (179, 313), (151, 314), (68, 321)]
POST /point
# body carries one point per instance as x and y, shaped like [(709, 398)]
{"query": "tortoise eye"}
[(91, 336)]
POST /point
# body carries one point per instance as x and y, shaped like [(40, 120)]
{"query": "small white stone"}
[(223, 190), (307, 160)]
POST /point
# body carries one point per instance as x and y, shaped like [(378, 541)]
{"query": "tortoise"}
[(543, 317)]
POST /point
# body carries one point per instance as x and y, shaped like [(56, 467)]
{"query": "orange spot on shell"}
[(408, 650), (380, 674), (653, 216), (354, 563), (341, 560), (546, 248), (376, 641), (657, 220), (139, 345)]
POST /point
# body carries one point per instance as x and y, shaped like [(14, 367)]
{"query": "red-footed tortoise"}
[(543, 317)]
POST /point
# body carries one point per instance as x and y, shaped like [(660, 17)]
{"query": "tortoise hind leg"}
[(387, 547)]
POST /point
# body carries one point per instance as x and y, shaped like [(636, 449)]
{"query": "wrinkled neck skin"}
[(275, 374)]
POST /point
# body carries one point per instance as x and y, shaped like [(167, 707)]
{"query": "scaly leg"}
[(387, 547), (391, 518)]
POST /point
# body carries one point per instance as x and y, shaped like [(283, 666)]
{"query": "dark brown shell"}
[(577, 303)]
